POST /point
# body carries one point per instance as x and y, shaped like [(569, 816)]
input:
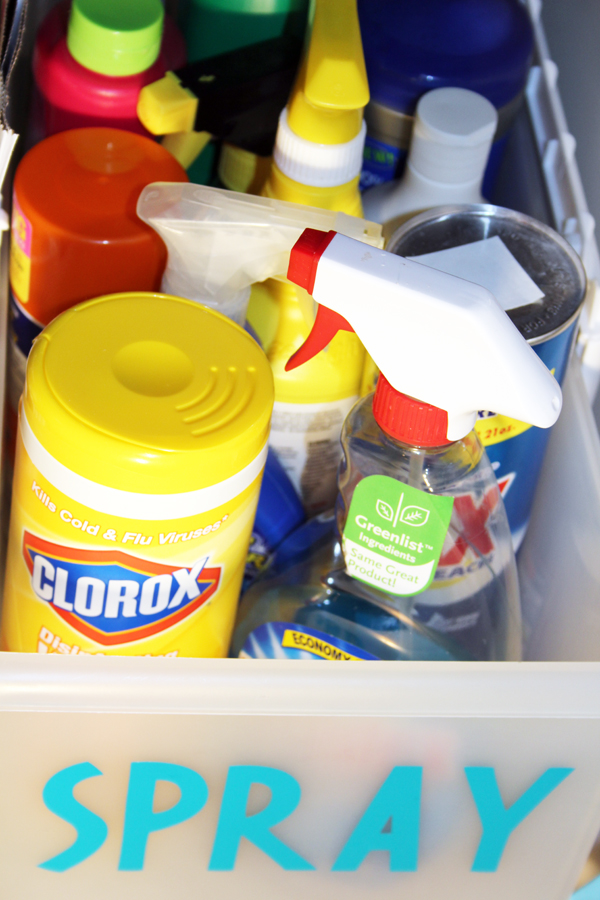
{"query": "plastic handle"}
[(302, 270), (305, 256)]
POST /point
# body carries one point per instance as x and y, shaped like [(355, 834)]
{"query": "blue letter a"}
[(398, 799)]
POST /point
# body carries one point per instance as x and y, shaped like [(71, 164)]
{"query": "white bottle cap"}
[(317, 165), (452, 135)]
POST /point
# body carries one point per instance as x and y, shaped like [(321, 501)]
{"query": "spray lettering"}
[(396, 803)]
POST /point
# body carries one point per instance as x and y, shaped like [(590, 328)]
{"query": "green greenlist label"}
[(394, 535)]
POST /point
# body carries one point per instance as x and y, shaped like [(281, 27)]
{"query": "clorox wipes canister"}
[(142, 439)]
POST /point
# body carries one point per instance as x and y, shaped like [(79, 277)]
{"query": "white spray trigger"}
[(438, 338)]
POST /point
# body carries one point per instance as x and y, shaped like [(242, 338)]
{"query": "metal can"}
[(516, 450)]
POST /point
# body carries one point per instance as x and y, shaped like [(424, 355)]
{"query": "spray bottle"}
[(317, 161), (219, 243), (423, 565)]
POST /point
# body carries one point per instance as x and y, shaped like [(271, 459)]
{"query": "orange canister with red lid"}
[(75, 232)]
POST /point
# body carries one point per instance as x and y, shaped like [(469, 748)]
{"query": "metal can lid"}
[(547, 258)]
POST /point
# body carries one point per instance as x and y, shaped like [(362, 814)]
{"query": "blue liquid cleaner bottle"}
[(279, 512), (410, 48), (421, 565)]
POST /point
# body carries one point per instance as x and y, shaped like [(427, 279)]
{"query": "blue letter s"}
[(91, 829)]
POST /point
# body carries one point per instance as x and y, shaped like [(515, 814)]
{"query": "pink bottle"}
[(91, 62)]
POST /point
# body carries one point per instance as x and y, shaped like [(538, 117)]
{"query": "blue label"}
[(517, 461), (380, 163), (286, 640), (111, 596), (24, 328), (259, 556)]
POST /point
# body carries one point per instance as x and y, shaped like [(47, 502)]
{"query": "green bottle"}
[(211, 27)]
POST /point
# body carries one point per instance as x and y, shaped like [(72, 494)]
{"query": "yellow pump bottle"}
[(317, 162)]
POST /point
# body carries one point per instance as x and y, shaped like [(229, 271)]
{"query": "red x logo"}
[(473, 532)]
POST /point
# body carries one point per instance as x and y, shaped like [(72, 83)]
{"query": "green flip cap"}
[(115, 37)]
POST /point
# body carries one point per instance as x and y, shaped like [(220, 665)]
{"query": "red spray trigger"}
[(327, 324), (305, 256), (302, 270)]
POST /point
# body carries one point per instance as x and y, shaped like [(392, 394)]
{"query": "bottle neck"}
[(342, 198), (452, 191), (408, 420), (449, 160)]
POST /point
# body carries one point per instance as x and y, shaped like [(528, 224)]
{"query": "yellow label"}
[(20, 253), (494, 429), (298, 640), (83, 581)]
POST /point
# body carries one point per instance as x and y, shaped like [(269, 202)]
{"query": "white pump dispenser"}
[(451, 140), (221, 242), (434, 337)]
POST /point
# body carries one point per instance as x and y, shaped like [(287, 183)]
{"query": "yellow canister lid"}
[(148, 393)]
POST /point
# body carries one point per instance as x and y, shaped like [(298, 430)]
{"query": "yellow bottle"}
[(317, 162), (142, 440)]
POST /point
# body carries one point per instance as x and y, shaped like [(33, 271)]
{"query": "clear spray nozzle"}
[(220, 242)]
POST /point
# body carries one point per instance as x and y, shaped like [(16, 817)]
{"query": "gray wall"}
[(573, 31)]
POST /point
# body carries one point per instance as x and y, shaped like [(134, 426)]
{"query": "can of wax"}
[(142, 440), (539, 279)]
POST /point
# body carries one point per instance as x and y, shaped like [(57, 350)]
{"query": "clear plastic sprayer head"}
[(220, 242)]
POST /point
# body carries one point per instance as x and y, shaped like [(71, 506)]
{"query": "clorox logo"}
[(113, 597)]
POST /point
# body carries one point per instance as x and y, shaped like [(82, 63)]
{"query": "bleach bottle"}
[(449, 150), (411, 48), (415, 484), (316, 161)]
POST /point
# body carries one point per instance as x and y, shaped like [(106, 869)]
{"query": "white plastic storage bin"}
[(140, 779)]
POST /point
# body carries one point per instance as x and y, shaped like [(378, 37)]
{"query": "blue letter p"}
[(140, 818)]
